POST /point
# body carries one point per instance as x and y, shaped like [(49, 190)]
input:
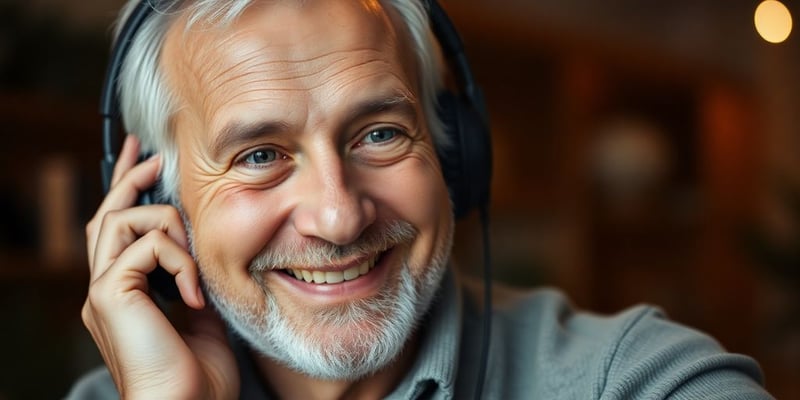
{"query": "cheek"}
[(418, 194), (232, 229)]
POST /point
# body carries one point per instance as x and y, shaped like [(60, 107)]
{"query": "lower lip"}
[(361, 287)]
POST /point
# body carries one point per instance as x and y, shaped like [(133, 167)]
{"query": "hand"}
[(145, 354)]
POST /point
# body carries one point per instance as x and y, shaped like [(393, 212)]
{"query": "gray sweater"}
[(542, 348)]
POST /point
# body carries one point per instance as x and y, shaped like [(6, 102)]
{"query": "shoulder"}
[(543, 344), (94, 385), (549, 316)]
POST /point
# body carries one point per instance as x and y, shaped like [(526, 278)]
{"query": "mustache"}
[(318, 252)]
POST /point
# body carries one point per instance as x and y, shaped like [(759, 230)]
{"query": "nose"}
[(332, 207)]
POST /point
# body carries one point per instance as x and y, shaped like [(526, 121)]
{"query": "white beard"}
[(346, 342)]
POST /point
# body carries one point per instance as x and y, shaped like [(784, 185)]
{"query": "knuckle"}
[(155, 240), (169, 212), (173, 212), (100, 293), (110, 217), (114, 223), (87, 316), (91, 227), (153, 237), (94, 297), (121, 175)]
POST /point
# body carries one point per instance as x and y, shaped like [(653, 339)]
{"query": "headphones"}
[(466, 163)]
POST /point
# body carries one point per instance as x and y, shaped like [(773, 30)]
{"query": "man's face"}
[(318, 212)]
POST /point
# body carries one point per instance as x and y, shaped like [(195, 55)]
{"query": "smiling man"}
[(297, 149), (291, 137), (284, 141)]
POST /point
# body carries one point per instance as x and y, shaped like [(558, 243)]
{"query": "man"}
[(297, 145)]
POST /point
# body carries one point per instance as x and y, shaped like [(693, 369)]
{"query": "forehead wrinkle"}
[(242, 89), (291, 69), (336, 85), (336, 89), (219, 76), (187, 70), (389, 87), (349, 80), (275, 71), (212, 74), (216, 73)]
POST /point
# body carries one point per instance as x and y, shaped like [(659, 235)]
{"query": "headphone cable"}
[(487, 303)]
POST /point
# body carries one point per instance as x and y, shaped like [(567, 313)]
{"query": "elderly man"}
[(310, 226)]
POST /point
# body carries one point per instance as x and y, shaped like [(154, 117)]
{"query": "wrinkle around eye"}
[(386, 152), (262, 176)]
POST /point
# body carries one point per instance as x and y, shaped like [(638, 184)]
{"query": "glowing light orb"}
[(773, 21)]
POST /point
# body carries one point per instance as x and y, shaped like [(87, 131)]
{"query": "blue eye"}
[(380, 135), (261, 156)]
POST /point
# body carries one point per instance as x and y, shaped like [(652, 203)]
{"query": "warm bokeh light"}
[(773, 21)]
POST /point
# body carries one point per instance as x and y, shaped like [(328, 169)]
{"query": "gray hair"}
[(147, 103)]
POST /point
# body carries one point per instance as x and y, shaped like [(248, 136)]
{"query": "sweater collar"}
[(434, 371)]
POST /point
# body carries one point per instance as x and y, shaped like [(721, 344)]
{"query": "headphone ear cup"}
[(476, 154), (467, 161), (450, 153)]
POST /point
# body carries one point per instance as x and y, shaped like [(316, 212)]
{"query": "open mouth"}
[(331, 277)]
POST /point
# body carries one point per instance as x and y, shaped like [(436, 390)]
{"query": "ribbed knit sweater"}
[(542, 348)]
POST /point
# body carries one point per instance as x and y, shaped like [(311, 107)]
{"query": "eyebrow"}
[(236, 133), (396, 103)]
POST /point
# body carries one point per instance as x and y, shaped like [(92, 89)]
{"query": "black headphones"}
[(466, 164)]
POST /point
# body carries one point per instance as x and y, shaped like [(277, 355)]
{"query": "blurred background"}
[(644, 152)]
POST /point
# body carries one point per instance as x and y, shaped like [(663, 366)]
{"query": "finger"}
[(123, 195), (127, 158), (135, 338), (128, 273), (132, 182), (120, 228)]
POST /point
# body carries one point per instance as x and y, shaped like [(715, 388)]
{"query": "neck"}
[(290, 384)]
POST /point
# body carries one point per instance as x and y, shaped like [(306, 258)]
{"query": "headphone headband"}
[(453, 49), (466, 167), (109, 102)]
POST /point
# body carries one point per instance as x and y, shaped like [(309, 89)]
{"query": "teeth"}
[(333, 276), (351, 273)]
